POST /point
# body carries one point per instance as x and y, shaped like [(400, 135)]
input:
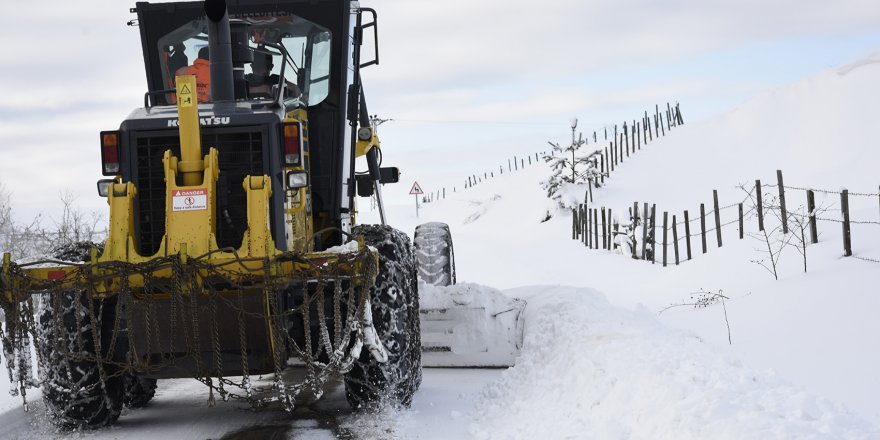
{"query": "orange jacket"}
[(202, 70)]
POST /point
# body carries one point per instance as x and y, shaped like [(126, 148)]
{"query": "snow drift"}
[(594, 371)]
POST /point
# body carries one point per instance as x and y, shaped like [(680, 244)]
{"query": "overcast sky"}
[(456, 75)]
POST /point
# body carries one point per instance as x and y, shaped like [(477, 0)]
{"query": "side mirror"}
[(389, 175), (360, 37)]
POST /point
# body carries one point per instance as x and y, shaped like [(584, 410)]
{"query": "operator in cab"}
[(262, 79), (201, 68)]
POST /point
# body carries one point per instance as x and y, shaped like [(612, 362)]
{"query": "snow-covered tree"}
[(570, 167)]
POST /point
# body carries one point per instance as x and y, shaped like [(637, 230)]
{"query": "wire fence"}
[(617, 143), (764, 206)]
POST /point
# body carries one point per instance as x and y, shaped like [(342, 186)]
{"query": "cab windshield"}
[(307, 71)]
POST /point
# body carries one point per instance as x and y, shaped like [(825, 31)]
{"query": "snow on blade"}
[(590, 370)]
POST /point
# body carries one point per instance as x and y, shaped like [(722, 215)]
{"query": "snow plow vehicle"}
[(231, 246)]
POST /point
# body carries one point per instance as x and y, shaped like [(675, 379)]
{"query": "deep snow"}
[(817, 331)]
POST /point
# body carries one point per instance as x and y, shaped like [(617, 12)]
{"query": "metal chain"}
[(185, 289)]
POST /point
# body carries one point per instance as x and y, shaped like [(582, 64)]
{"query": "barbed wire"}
[(870, 260), (823, 191), (834, 220), (826, 191)]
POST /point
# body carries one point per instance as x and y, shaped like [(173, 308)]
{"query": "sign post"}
[(416, 190)]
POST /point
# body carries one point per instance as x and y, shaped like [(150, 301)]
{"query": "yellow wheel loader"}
[(231, 247)]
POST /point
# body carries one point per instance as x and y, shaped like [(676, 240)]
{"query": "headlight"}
[(297, 179), (365, 133), (104, 187)]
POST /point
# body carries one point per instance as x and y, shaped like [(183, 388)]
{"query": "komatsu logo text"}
[(213, 120)]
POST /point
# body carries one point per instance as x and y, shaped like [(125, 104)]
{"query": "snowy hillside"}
[(817, 330)]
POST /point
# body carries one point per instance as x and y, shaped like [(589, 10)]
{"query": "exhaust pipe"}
[(228, 48)]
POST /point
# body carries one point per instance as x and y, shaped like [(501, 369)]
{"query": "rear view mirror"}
[(389, 175)]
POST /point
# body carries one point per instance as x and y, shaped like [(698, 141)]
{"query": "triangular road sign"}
[(416, 189)]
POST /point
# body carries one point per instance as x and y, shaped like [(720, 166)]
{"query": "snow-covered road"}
[(180, 411)]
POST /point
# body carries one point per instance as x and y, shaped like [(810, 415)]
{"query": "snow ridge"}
[(595, 371)]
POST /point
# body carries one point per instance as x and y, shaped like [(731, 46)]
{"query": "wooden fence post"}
[(610, 233), (639, 135), (635, 222), (653, 233), (665, 227), (687, 233), (590, 189), (717, 216), (616, 227), (662, 128), (613, 147), (616, 159), (634, 130), (645, 232), (584, 223), (656, 116), (811, 208), (612, 160), (703, 224), (760, 206), (583, 220), (782, 202), (604, 237), (626, 135), (847, 238), (675, 238), (607, 160), (573, 224), (740, 221), (589, 228), (595, 228)]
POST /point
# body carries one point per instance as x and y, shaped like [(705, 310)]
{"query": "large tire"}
[(435, 255), (74, 392), (395, 309), (137, 391)]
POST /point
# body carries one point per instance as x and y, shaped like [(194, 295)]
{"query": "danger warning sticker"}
[(189, 199), (186, 99)]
